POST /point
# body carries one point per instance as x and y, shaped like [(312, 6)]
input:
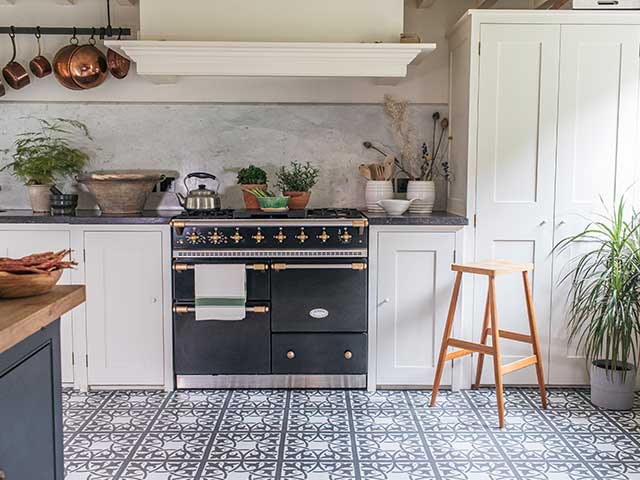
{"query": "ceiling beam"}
[(425, 3)]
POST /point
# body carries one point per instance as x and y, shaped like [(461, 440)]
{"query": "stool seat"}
[(490, 328), (492, 267)]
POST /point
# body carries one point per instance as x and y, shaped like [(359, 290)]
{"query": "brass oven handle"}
[(291, 354), (319, 266), (183, 267), (184, 309)]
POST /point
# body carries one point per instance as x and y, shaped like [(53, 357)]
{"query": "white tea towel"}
[(221, 292)]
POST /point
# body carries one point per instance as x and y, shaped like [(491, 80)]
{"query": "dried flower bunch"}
[(417, 161)]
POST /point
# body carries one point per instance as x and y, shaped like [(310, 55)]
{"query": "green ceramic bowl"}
[(273, 202)]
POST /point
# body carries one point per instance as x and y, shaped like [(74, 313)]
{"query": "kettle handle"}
[(202, 175)]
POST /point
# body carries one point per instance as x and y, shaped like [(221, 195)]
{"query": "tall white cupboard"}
[(544, 136)]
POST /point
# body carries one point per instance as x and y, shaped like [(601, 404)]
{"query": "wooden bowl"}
[(27, 285)]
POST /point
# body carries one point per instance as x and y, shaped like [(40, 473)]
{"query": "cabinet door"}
[(599, 79), (414, 288), (124, 307), (517, 123), (25, 242)]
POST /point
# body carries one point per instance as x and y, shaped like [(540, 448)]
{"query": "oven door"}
[(319, 296)]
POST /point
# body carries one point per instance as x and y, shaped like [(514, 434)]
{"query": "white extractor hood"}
[(170, 59)]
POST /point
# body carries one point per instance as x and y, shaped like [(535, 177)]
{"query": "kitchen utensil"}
[(121, 191), (40, 66), (15, 74), (118, 65), (200, 199), (389, 166), (61, 64), (395, 207), (365, 171), (88, 66), (14, 285)]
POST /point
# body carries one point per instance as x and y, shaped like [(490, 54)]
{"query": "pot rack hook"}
[(92, 39), (74, 38), (12, 36), (38, 36), (119, 33)]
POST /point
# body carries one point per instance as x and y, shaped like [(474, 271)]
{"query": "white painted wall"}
[(427, 83)]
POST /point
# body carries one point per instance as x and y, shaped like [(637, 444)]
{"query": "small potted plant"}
[(251, 178), (43, 156), (296, 183), (604, 305)]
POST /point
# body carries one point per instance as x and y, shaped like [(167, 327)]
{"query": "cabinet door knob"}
[(561, 223), (386, 300), (543, 223), (348, 355), (291, 354), (153, 300)]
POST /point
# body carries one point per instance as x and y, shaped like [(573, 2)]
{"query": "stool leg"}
[(534, 336), (495, 339), (445, 338), (483, 341)]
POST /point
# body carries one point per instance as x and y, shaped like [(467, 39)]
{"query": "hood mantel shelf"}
[(168, 60)]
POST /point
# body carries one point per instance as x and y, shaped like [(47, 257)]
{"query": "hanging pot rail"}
[(102, 32)]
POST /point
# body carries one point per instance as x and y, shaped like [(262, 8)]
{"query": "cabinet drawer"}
[(184, 283), (321, 353)]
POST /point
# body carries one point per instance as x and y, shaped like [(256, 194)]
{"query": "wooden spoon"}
[(389, 166), (365, 171)]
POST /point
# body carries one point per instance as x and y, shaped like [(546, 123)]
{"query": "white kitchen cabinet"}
[(410, 288), (25, 241), (551, 105), (124, 273)]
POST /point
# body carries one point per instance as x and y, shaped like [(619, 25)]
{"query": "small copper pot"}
[(61, 65), (2, 90), (118, 65), (40, 66), (15, 74), (88, 66)]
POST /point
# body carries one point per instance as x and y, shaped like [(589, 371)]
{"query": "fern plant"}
[(604, 299), (42, 156)]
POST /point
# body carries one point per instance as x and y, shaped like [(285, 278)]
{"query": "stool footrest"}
[(458, 354), (474, 347), (518, 337), (519, 364)]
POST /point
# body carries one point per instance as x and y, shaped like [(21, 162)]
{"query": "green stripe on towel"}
[(221, 302)]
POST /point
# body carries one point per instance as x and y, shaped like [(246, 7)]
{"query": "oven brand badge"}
[(319, 313)]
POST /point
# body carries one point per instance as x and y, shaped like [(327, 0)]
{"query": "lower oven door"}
[(319, 296), (219, 347)]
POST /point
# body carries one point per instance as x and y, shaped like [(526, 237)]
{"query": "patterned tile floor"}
[(339, 435)]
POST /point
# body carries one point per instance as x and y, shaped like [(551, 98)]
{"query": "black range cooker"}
[(306, 313)]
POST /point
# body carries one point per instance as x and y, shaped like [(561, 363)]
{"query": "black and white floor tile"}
[(345, 435)]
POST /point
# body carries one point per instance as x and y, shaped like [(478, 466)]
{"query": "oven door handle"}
[(190, 309), (360, 266), (183, 267)]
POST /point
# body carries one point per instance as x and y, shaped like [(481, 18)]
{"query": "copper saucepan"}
[(40, 66), (15, 74), (118, 65), (61, 64), (88, 66)]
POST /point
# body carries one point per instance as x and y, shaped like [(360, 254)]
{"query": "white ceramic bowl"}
[(395, 207)]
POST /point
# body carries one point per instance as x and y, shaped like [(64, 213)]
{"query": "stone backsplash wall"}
[(221, 138)]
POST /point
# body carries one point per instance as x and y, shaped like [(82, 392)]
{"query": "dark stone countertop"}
[(435, 219), (88, 217)]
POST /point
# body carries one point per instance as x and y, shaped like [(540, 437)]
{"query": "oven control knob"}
[(195, 237), (345, 237), (348, 355), (258, 237), (324, 236), (236, 237), (302, 236), (291, 354), (216, 238), (280, 237)]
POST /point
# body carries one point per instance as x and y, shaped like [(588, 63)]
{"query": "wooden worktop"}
[(22, 317)]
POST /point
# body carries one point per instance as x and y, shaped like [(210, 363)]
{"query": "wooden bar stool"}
[(491, 269)]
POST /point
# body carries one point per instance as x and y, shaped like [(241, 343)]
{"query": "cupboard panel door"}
[(124, 308), (517, 123), (25, 242), (414, 286), (597, 154)]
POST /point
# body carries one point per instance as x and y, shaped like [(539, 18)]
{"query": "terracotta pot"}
[(250, 200), (40, 197), (298, 200)]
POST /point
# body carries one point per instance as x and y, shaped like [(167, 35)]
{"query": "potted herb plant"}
[(604, 305), (252, 178), (296, 183), (45, 155)]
